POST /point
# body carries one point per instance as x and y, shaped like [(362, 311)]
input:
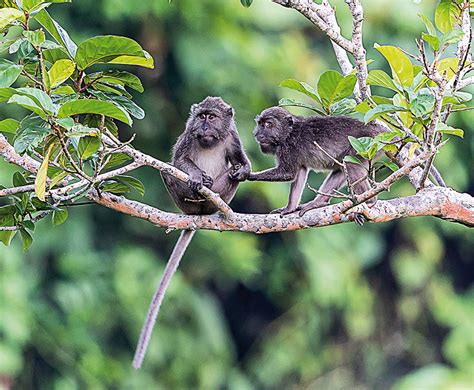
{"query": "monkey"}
[(303, 143), (314, 142), (210, 152)]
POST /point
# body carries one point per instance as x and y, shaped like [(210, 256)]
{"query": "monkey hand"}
[(196, 181), (207, 180), (240, 172)]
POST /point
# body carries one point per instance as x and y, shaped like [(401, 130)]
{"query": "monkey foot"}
[(303, 209), (359, 219), (283, 211)]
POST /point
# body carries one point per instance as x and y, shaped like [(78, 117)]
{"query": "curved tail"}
[(173, 262)]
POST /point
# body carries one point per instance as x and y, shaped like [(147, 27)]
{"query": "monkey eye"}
[(202, 116), (211, 117), (269, 125)]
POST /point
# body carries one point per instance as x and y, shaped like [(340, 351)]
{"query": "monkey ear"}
[(230, 112), (193, 108), (289, 119)]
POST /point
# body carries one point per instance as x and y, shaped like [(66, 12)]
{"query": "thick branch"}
[(440, 202)]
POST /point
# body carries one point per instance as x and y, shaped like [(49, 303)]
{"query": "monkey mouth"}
[(207, 140)]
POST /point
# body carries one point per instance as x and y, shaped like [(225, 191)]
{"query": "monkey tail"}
[(173, 262)]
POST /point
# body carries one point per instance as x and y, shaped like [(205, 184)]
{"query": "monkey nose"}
[(205, 127)]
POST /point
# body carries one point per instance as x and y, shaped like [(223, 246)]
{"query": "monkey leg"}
[(334, 181), (296, 190), (357, 176)]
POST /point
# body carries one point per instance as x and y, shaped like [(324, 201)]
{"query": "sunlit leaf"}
[(88, 146), (42, 176), (446, 129), (9, 126), (8, 16), (106, 48), (302, 87), (381, 79), (446, 15), (402, 68), (60, 72)]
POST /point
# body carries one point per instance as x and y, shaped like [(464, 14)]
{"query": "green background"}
[(343, 307)]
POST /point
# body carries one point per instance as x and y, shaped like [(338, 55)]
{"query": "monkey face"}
[(210, 121), (208, 128), (273, 126)]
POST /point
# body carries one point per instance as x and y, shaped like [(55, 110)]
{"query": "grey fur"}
[(292, 140), (210, 152)]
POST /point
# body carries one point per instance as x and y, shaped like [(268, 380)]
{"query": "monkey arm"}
[(273, 174), (237, 157)]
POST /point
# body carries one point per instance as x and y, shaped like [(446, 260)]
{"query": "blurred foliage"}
[(335, 308)]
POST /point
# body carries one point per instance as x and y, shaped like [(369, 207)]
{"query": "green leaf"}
[(381, 79), (302, 87), (432, 40), (146, 62), (19, 179), (448, 65), (92, 106), (40, 97), (429, 25), (79, 130), (390, 165), (60, 72), (53, 55), (58, 33), (36, 38), (122, 77), (123, 102), (34, 5), (9, 72), (452, 37), (42, 176), (103, 49), (402, 68), (332, 86), (361, 144), (380, 110), (59, 216), (285, 102), (446, 15), (26, 239), (343, 107), (117, 160), (88, 146), (33, 130), (27, 103), (67, 123), (246, 3), (115, 188), (352, 160), (132, 182), (8, 16), (446, 129), (9, 126), (422, 105)]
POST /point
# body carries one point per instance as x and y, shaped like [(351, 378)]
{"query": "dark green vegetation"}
[(333, 308)]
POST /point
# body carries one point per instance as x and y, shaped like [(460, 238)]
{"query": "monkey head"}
[(210, 120), (273, 127)]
